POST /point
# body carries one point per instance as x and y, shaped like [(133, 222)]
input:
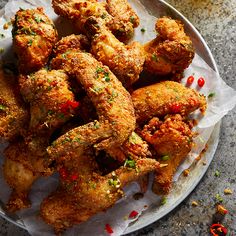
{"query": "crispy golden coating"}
[(34, 36), (106, 93), (133, 148), (165, 98), (172, 141), (51, 101), (80, 10), (13, 113), (89, 194), (125, 61), (171, 51), (124, 20)]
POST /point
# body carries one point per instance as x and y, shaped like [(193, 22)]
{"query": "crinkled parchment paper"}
[(218, 106)]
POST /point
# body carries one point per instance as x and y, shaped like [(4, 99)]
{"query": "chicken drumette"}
[(125, 61), (171, 51), (34, 36), (172, 141), (165, 98)]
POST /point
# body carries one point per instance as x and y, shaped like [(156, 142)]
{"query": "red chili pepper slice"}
[(190, 80), (69, 104), (108, 229), (175, 108), (218, 230), (74, 177), (201, 82), (133, 214)]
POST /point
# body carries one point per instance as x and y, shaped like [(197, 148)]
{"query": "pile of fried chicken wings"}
[(73, 108)]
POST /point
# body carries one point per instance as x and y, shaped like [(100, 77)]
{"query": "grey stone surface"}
[(216, 21)]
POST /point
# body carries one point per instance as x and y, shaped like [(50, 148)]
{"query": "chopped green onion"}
[(165, 158)]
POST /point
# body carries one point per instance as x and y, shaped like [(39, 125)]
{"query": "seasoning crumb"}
[(143, 30), (186, 172), (222, 210), (126, 218), (194, 203), (228, 191), (6, 25), (204, 163), (163, 165), (138, 196)]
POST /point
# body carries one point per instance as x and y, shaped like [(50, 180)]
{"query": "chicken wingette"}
[(51, 105), (172, 140), (116, 119), (167, 97), (124, 19), (34, 36), (84, 192), (125, 61), (171, 52), (14, 114)]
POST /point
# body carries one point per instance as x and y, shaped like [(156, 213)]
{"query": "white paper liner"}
[(218, 106)]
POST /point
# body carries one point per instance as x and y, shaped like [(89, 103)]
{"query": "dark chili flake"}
[(63, 173)]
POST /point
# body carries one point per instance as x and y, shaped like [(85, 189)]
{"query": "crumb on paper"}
[(186, 172), (228, 191), (195, 203), (163, 165)]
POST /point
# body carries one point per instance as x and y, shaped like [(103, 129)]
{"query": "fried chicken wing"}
[(34, 36), (172, 141), (90, 194), (80, 10), (171, 51), (106, 93), (125, 61), (13, 112), (164, 98), (51, 101), (21, 168), (125, 19)]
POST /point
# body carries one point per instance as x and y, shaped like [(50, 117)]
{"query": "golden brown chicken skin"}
[(172, 51), (124, 20), (80, 10), (34, 36), (172, 141), (13, 112), (51, 101), (167, 97), (125, 61), (112, 102), (88, 194)]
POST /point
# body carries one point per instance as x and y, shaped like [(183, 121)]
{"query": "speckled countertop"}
[(216, 21)]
